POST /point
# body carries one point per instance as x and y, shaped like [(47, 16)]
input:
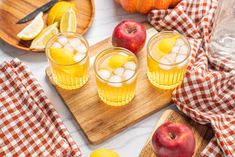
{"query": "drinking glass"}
[(116, 85), (68, 59), (167, 58)]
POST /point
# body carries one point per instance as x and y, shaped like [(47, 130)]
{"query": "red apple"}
[(130, 35), (173, 140)]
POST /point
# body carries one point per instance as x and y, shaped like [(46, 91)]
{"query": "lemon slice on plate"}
[(33, 29), (57, 11), (41, 40), (68, 21)]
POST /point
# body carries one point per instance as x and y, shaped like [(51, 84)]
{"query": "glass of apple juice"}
[(116, 76), (67, 54), (167, 59)]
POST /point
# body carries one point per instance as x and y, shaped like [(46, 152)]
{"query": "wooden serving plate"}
[(202, 133), (99, 121), (13, 10)]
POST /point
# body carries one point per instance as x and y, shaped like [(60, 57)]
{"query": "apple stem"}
[(172, 136), (131, 30)]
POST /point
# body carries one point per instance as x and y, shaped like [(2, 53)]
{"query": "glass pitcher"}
[(222, 40)]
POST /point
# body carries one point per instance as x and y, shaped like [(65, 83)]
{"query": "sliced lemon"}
[(62, 55), (104, 153), (118, 60), (41, 40), (156, 53), (166, 44), (33, 29), (58, 10), (68, 21)]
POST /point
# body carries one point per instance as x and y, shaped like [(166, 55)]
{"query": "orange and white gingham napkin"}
[(207, 94), (29, 124)]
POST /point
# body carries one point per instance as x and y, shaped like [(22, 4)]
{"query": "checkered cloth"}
[(29, 125), (207, 94)]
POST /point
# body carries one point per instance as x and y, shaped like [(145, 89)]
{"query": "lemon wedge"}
[(157, 54), (33, 29), (58, 10), (68, 21), (104, 153), (62, 55), (118, 60), (41, 40), (166, 44)]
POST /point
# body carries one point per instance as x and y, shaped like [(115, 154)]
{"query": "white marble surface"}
[(107, 15)]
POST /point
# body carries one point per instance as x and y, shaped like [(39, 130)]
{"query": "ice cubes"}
[(128, 74), (56, 45), (104, 74), (166, 61), (81, 48), (183, 50), (178, 53), (62, 40), (175, 49), (77, 45), (130, 65), (74, 42), (169, 61), (69, 48), (179, 42), (171, 57), (181, 58), (78, 57), (119, 71), (115, 81)]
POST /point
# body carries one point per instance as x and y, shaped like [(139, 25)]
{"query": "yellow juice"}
[(116, 76), (167, 59), (68, 59)]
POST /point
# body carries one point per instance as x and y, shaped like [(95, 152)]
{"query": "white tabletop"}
[(129, 142)]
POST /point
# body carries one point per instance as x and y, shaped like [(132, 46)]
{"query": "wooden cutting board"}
[(13, 10), (202, 133), (99, 121)]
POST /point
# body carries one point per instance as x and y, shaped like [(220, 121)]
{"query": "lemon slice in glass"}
[(62, 56), (166, 44), (33, 29), (41, 40), (68, 21), (118, 60)]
